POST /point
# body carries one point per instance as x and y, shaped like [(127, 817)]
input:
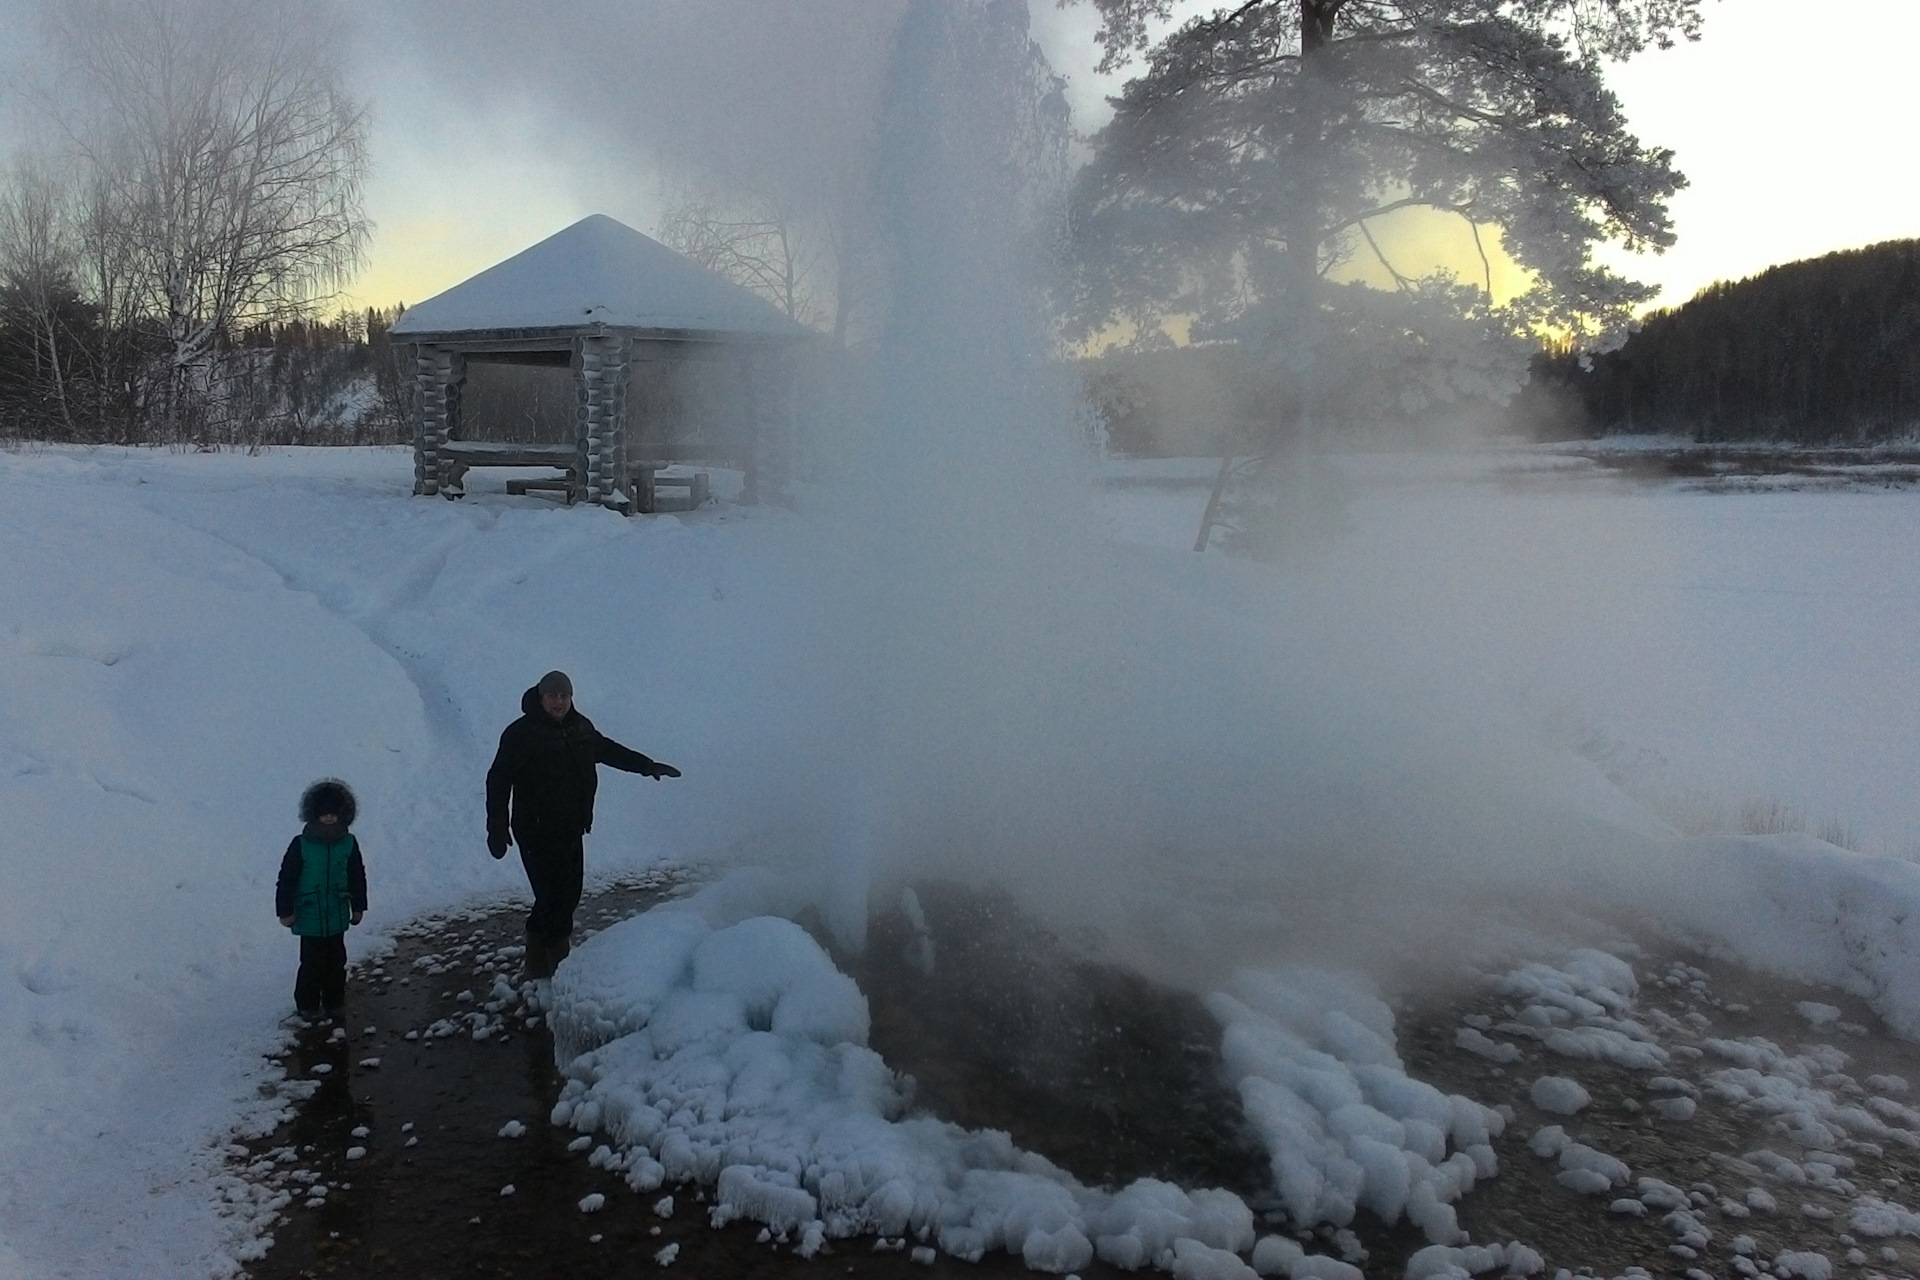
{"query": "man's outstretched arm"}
[(627, 759)]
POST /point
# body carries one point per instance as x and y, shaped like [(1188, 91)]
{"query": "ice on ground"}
[(1440, 1261), (1313, 1056), (1577, 1156), (1658, 1194), (1678, 1110), (1803, 1265), (1548, 1141), (1878, 1219), (734, 1055), (1279, 1256), (742, 1064), (1794, 1091), (1579, 1009), (1195, 1261), (1586, 1182), (1820, 1015), (1477, 1042), (1800, 908), (1559, 1095)]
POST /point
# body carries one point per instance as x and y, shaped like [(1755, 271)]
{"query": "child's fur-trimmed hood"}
[(329, 795)]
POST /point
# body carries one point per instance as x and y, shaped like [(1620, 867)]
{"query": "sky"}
[(1796, 135)]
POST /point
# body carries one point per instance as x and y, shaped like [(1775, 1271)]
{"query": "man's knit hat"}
[(555, 682)]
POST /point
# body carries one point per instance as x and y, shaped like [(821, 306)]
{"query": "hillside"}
[(1823, 350)]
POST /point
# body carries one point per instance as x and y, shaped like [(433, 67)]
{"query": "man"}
[(545, 775)]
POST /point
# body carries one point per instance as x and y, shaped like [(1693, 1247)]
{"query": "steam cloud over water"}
[(1005, 696)]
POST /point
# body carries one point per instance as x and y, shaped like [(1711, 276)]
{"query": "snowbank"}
[(1803, 909), (164, 698)]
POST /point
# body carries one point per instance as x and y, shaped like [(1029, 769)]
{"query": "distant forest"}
[(68, 374), (1821, 351)]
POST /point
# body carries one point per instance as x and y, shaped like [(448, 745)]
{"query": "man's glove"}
[(497, 843), (657, 770)]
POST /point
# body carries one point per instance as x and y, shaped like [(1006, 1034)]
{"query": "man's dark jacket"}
[(547, 766)]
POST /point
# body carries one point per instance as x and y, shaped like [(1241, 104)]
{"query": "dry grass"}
[(1769, 818)]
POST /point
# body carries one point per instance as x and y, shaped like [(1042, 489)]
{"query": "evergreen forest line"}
[(1821, 351)]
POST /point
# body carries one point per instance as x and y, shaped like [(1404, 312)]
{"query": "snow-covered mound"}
[(1800, 908), (736, 1057)]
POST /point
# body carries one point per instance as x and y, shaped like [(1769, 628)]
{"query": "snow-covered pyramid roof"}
[(597, 272)]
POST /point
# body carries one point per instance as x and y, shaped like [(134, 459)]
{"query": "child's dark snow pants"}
[(322, 980)]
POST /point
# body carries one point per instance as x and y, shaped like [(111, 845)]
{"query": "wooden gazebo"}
[(601, 299)]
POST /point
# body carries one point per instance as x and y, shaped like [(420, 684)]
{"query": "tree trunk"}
[(59, 375), (1212, 512)]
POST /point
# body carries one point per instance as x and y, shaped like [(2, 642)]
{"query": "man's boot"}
[(540, 958), (561, 950)]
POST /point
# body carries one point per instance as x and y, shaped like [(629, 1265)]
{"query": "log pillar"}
[(770, 427), (436, 375), (602, 370)]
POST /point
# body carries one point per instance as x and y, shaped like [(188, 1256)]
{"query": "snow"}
[(746, 1068), (1819, 1014), (1559, 1095), (1313, 1056), (187, 640), (1678, 1110), (1803, 1266), (1279, 1256), (1593, 990), (1515, 1259), (597, 272)]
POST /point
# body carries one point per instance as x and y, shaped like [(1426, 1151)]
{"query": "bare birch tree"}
[(756, 248), (37, 261), (226, 159)]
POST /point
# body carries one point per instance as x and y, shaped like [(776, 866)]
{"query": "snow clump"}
[(710, 1042), (1803, 1266), (1580, 1010), (1559, 1095), (1313, 1056)]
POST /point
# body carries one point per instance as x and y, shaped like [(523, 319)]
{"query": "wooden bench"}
[(457, 457), (648, 483)]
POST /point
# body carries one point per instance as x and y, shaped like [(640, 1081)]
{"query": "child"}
[(322, 889)]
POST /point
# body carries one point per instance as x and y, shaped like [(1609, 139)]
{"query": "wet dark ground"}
[(1108, 1075), (1726, 1002)]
